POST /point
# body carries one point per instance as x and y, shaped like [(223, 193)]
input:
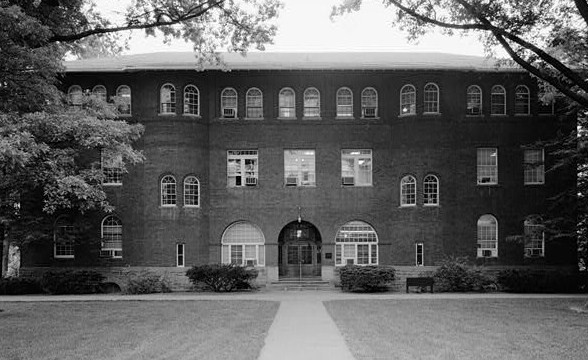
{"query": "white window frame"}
[(254, 104), (75, 96), (369, 103), (534, 169), (344, 103), (474, 101), (419, 249), (496, 92), (522, 103), (229, 103), (312, 103), (431, 99), (167, 99), (240, 237), (111, 248), (430, 190), (188, 192), (170, 181), (534, 246), (191, 100), (408, 190), (297, 172), (124, 100), (180, 254), (487, 172), (242, 168), (112, 173), (63, 249), (356, 158), (487, 239), (348, 240), (287, 103), (100, 92), (408, 100)]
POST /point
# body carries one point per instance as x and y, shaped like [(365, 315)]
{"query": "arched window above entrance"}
[(356, 243), (243, 244)]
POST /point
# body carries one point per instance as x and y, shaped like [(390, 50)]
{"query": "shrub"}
[(538, 280), (456, 275), (72, 282), (366, 278), (20, 286), (222, 277), (147, 283)]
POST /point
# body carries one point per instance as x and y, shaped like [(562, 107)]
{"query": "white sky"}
[(304, 25)]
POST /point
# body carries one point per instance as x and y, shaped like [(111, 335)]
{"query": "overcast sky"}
[(304, 25)]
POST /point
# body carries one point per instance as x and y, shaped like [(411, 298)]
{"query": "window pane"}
[(299, 167), (487, 159)]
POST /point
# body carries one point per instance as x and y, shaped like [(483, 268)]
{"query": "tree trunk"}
[(4, 253)]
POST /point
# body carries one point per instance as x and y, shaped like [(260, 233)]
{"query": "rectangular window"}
[(243, 254), (299, 167), (237, 254), (534, 167), (112, 169), (242, 168), (420, 254), (356, 167), (534, 240), (180, 255), (64, 242), (487, 166)]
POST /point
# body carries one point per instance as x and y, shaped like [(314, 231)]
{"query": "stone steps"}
[(295, 284)]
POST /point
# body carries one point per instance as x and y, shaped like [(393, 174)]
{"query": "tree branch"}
[(582, 6), (436, 22)]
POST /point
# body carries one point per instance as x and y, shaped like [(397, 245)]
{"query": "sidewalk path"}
[(302, 329)]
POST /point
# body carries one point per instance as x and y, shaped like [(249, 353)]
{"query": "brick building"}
[(299, 163)]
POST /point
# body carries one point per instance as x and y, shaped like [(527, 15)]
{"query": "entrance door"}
[(299, 251)]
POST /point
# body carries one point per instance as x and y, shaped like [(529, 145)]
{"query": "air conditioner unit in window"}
[(249, 263), (350, 261), (291, 181), (369, 112), (486, 253), (348, 180), (230, 113), (484, 180), (534, 252), (250, 181)]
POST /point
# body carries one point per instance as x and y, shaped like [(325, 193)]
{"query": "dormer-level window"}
[(254, 104), (191, 100), (312, 103), (474, 100), (369, 103), (287, 103), (522, 100), (229, 103), (344, 103), (408, 100), (167, 99), (431, 101), (498, 100)]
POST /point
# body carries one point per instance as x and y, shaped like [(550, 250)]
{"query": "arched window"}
[(191, 100), (408, 100), (243, 244), (356, 243), (167, 99), (287, 103), (74, 96), (487, 236), (534, 237), (431, 102), (474, 100), (431, 190), (369, 103), (111, 237), (168, 191), (64, 238), (312, 103), (100, 92), (229, 103), (522, 100), (254, 104), (408, 191), (191, 191), (498, 100), (344, 103), (123, 100)]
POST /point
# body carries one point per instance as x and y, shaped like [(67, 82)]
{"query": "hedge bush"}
[(366, 278), (538, 280), (72, 282), (147, 283), (456, 275), (20, 286), (222, 277)]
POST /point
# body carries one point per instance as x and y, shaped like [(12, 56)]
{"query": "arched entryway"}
[(299, 250)]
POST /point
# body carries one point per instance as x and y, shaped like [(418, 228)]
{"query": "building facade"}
[(299, 163)]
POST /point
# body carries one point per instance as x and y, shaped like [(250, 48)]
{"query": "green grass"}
[(462, 329), (178, 330)]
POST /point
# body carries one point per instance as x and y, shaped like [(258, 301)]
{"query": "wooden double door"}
[(299, 252)]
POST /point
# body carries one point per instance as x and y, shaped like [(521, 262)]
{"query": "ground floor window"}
[(487, 236), (63, 240), (356, 243), (180, 255), (243, 244), (534, 237)]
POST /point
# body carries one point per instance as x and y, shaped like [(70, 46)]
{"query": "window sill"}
[(522, 115), (534, 184), (228, 118), (498, 115), (311, 118), (125, 115), (112, 184), (358, 186), (255, 118), (474, 115), (167, 114), (299, 186), (344, 118), (432, 113), (406, 115), (167, 206), (431, 205), (195, 116), (64, 257), (191, 206), (288, 118), (408, 206), (487, 184), (370, 118)]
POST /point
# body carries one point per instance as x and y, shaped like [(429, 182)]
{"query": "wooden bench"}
[(420, 281)]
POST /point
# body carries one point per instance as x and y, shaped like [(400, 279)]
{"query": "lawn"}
[(462, 329), (178, 330)]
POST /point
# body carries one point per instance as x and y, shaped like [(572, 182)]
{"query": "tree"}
[(547, 38), (50, 152)]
